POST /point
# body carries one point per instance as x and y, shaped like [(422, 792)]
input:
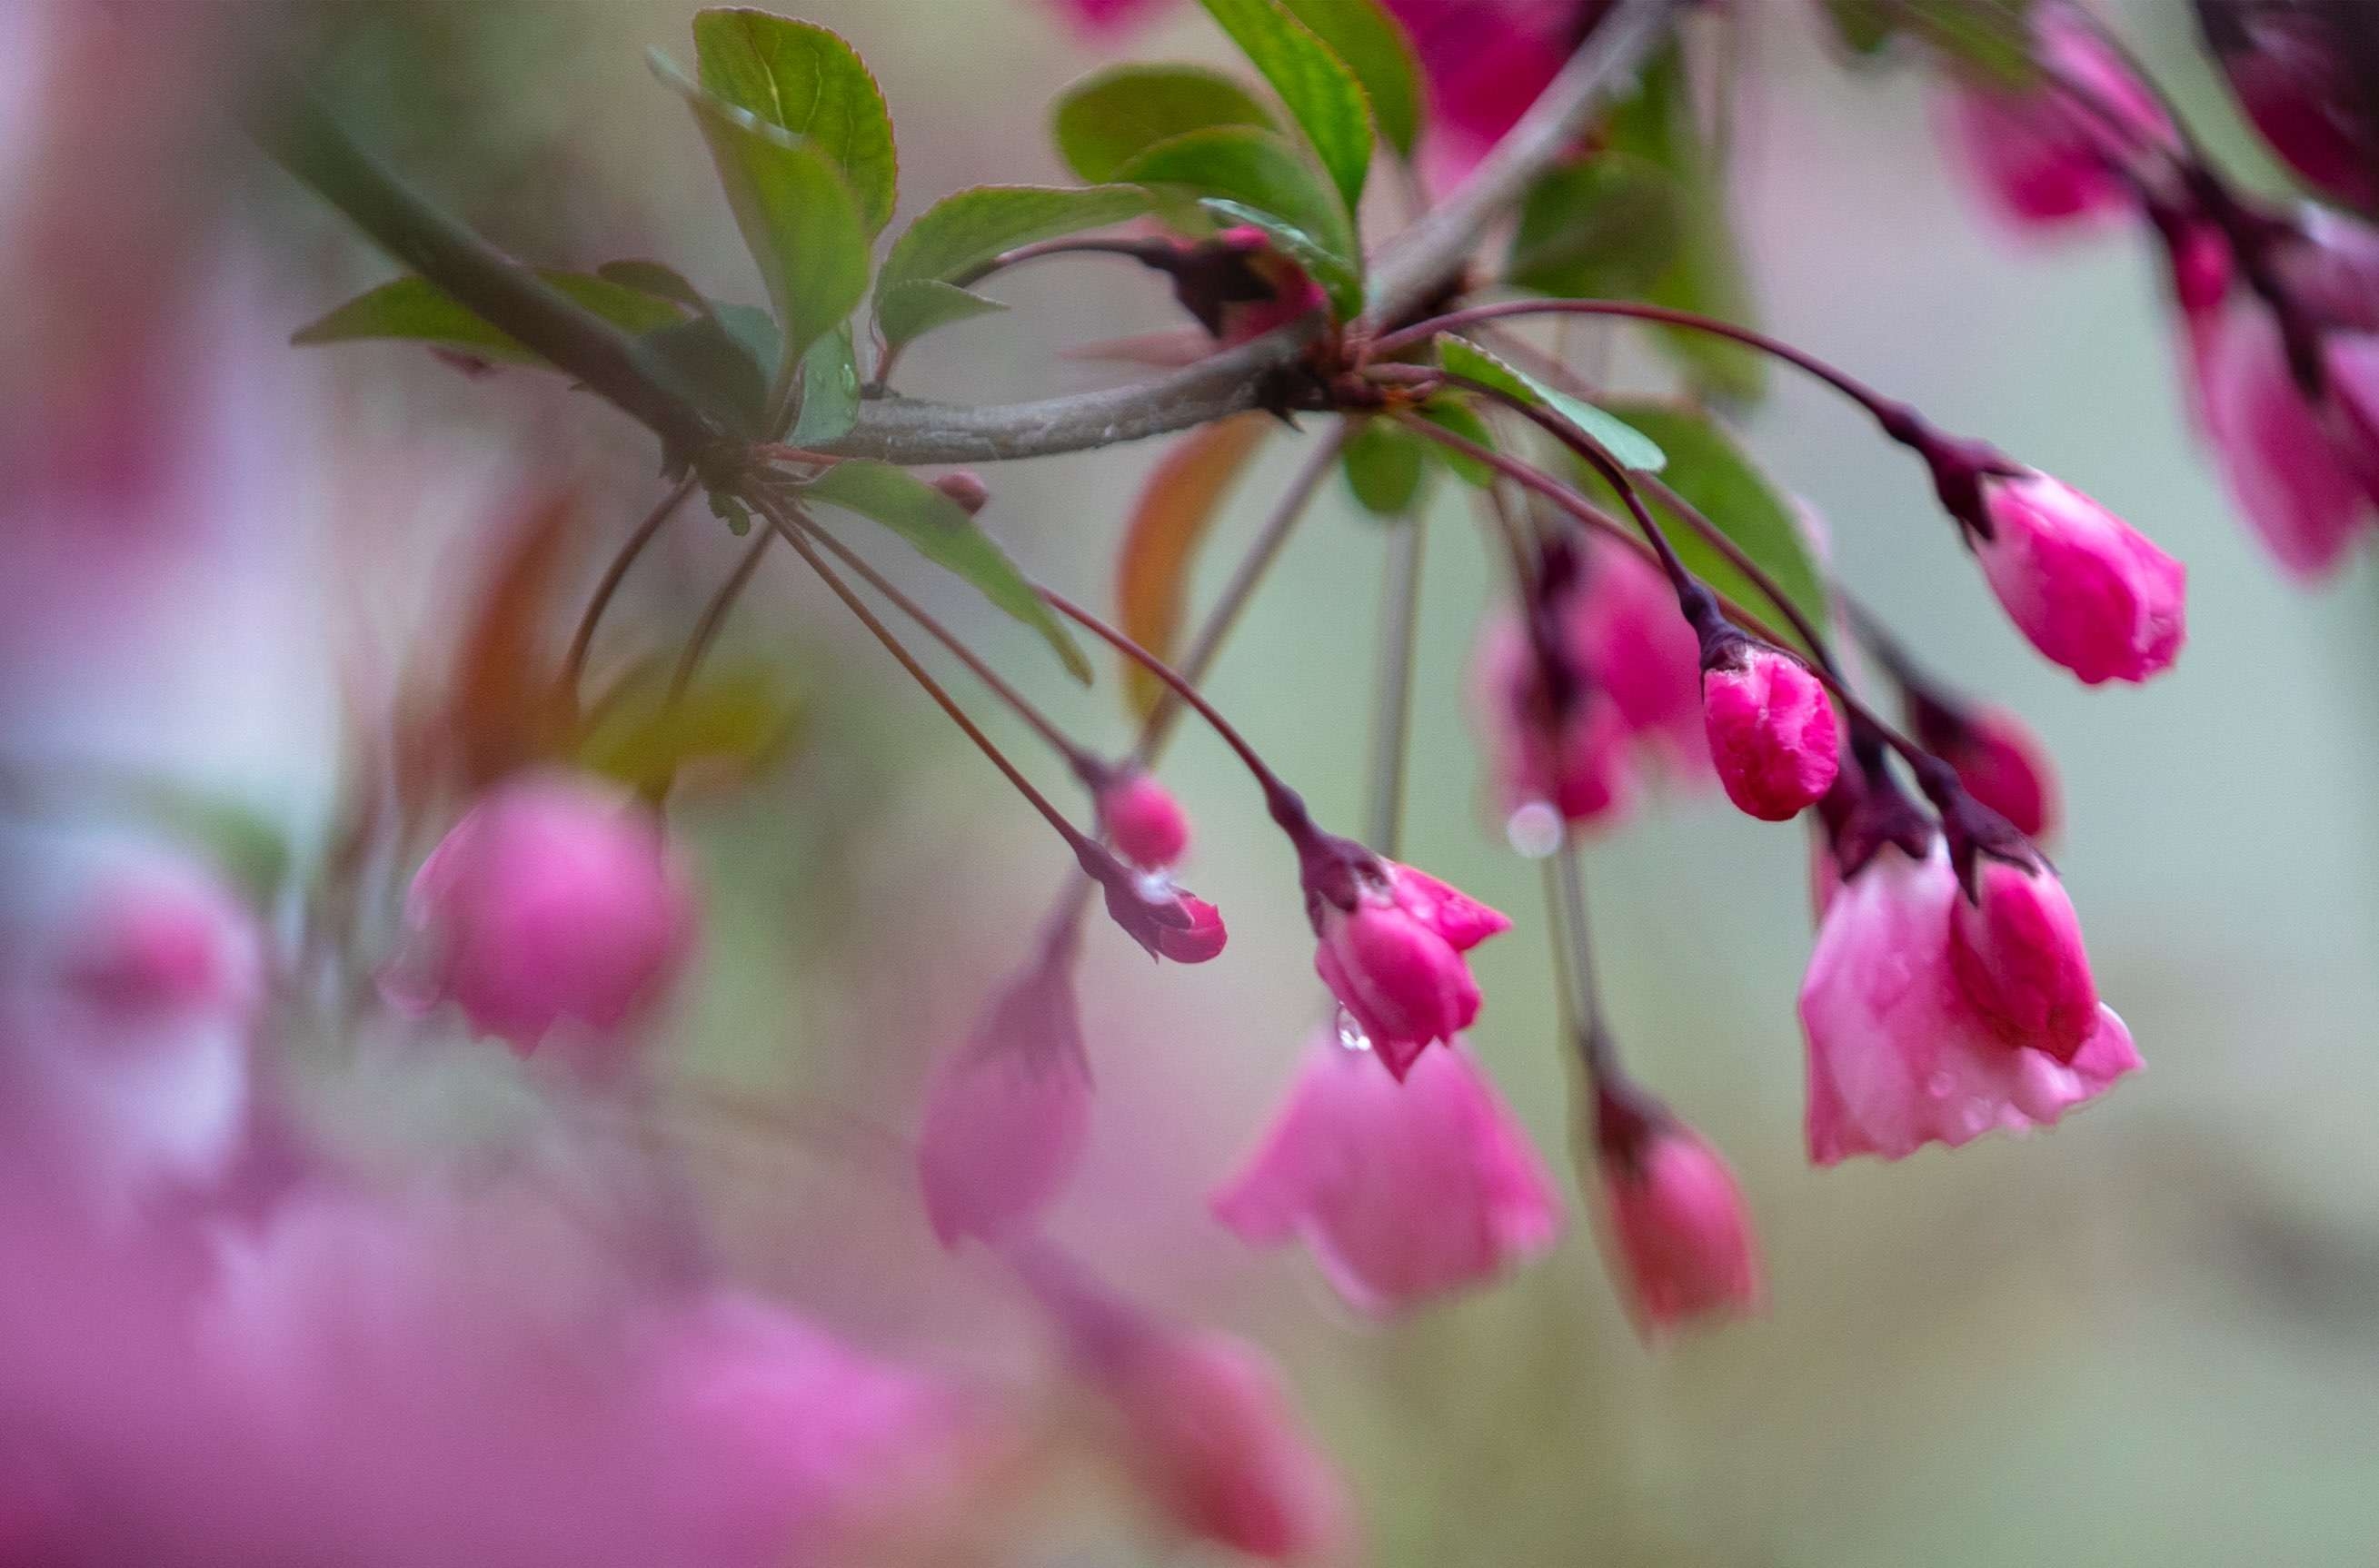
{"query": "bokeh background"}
[(2152, 1337)]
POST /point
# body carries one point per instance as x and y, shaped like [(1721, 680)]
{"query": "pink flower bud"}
[(1145, 823), (1394, 958), (1677, 1229), (2044, 160), (1900, 1053), (2293, 72), (1401, 1191), (1203, 1423), (163, 947), (1201, 939), (2017, 949), (965, 486), (2302, 474), (1007, 1113), (2000, 763), (1771, 730), (2090, 591), (553, 901)]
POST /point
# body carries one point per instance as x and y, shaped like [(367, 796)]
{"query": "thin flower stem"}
[(582, 641), (1287, 806), (1841, 381), (1758, 575), (1392, 719), (1246, 576), (782, 518), (715, 613), (1595, 1050), (1085, 766), (1565, 989)]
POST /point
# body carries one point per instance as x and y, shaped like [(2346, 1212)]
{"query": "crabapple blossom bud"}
[(1006, 1114), (1401, 1192), (2292, 71), (2044, 159), (1201, 939), (1145, 823), (1201, 1420), (1900, 1053), (163, 947), (1997, 759), (1772, 730), (553, 901), (965, 486), (2016, 945), (2302, 473), (2090, 591), (1391, 950), (1165, 920), (1677, 1228)]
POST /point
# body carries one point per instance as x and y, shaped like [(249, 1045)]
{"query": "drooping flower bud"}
[(1146, 824), (163, 948), (1899, 1055), (2302, 473), (1008, 1113), (1200, 940), (2016, 944), (1239, 285), (1165, 920), (1202, 1419), (553, 901), (2294, 70), (1392, 940), (1403, 1193), (1997, 759), (1771, 729), (2091, 592), (1675, 1227), (2044, 160)]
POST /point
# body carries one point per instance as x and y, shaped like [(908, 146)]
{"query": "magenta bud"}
[(1394, 958), (2000, 762), (1146, 824), (2016, 948), (1200, 940), (553, 901), (1771, 730), (1677, 1231), (2091, 592), (966, 488)]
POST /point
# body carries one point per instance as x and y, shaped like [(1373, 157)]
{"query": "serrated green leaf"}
[(1709, 470), (1463, 420), (940, 530), (1386, 467), (1107, 119), (1322, 95), (1627, 446), (414, 310), (1706, 276), (1339, 280), (808, 80), (796, 212), (829, 391), (958, 235), (1372, 44), (1607, 227)]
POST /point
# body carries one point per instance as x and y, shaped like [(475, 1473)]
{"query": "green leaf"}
[(1463, 420), (1386, 467), (941, 531), (952, 239), (1989, 37), (805, 80), (797, 215), (1260, 173), (732, 512), (654, 278), (1321, 93), (736, 720), (413, 308), (1709, 470), (1706, 276), (1607, 227), (1373, 45), (722, 371), (1107, 119), (829, 391), (1339, 280), (1629, 447)]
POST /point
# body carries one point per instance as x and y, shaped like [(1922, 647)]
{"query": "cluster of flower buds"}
[(2274, 305)]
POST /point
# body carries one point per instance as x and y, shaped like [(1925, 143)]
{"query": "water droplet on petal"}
[(1534, 830), (1351, 1033)]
